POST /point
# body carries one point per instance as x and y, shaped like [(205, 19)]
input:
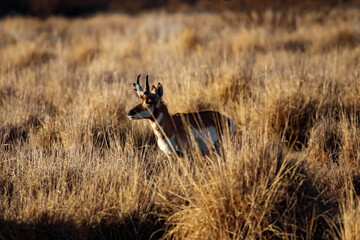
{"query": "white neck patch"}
[(161, 115), (157, 121)]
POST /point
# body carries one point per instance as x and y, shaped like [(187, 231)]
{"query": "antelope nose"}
[(131, 112)]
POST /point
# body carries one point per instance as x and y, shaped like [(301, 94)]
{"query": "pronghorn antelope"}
[(175, 133)]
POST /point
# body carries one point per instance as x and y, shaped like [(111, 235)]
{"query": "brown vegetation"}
[(72, 166), (46, 8)]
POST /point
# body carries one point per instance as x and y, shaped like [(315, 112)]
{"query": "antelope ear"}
[(159, 90), (153, 89)]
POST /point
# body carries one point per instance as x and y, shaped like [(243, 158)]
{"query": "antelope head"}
[(149, 100)]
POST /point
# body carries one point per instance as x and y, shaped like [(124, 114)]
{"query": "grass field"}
[(72, 166)]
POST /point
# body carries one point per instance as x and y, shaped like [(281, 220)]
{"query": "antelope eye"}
[(149, 101)]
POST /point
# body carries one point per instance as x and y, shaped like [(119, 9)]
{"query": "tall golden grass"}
[(73, 166)]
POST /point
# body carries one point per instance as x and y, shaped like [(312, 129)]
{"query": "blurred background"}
[(45, 8)]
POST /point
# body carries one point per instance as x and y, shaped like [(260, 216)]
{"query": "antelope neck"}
[(162, 122)]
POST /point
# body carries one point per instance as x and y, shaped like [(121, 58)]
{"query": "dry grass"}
[(73, 166)]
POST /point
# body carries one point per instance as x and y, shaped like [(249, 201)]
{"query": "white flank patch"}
[(205, 133), (204, 137), (232, 127), (213, 134)]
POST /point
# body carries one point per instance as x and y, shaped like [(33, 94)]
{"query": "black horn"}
[(138, 78), (147, 89), (137, 86)]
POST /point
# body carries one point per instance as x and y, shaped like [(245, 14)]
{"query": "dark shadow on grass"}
[(11, 135), (47, 228), (306, 211), (308, 216)]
